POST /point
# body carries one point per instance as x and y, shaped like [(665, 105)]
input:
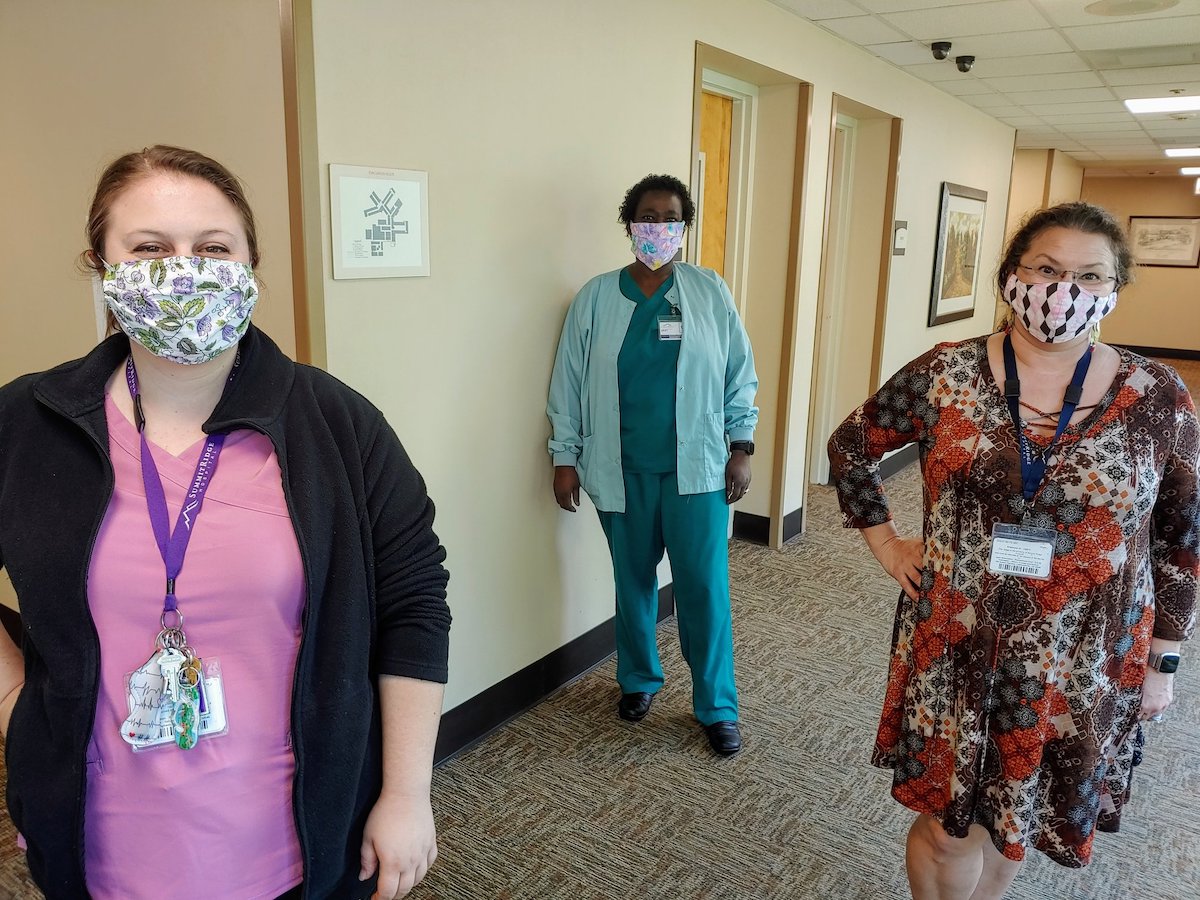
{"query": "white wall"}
[(532, 119)]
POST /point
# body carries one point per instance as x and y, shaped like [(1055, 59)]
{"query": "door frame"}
[(741, 179)]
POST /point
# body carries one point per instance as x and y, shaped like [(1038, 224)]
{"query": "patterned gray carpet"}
[(570, 803)]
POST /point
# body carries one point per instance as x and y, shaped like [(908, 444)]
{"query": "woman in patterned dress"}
[(1013, 703)]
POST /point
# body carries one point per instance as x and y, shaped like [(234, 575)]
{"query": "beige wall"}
[(85, 82), (532, 119), (97, 80), (1065, 179), (1162, 307)]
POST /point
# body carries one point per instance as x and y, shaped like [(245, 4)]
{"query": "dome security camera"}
[(964, 63), (941, 49)]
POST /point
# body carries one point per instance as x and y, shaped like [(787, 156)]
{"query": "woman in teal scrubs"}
[(652, 409)]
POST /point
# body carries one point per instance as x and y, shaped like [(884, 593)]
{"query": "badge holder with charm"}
[(1023, 550), (174, 697)]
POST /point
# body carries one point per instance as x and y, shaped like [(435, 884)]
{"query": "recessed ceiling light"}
[(1163, 104), (1190, 170), (1182, 151), (1128, 7), (1198, 187)]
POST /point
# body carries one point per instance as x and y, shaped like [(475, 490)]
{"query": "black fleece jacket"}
[(373, 571)]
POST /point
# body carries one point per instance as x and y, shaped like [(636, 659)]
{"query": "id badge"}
[(155, 716), (1022, 551), (670, 328)]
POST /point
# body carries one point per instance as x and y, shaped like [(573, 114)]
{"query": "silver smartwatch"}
[(1167, 663)]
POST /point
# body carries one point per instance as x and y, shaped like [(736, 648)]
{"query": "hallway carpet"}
[(568, 802)]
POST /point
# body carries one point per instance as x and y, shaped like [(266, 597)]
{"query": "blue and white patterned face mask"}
[(187, 309)]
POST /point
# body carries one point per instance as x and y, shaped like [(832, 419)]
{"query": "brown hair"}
[(1077, 216), (126, 170)]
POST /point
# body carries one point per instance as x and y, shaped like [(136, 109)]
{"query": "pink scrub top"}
[(166, 822)]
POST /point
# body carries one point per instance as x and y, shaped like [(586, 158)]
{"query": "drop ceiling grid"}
[(1037, 79)]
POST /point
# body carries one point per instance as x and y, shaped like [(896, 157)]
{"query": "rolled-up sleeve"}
[(898, 414), (741, 381), (1175, 529), (412, 616), (564, 406)]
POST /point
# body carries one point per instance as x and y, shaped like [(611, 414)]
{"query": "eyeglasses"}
[(1044, 274)]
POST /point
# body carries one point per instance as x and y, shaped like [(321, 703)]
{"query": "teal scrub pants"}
[(694, 531)]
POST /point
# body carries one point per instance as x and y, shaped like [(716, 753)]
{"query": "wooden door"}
[(716, 129)]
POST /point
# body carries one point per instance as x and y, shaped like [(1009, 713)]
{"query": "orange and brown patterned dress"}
[(1011, 702)]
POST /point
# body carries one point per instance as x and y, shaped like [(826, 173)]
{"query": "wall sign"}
[(380, 222)]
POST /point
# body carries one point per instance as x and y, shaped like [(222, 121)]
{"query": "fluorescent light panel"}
[(1163, 104), (1198, 187), (1190, 170), (1182, 151)]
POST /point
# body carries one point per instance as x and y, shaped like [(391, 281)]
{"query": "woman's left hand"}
[(400, 840), (1158, 690), (737, 476)]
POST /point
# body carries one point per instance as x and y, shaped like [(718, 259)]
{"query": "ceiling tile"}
[(890, 6), (935, 71), (863, 30), (1045, 64), (1006, 113), (1053, 109), (979, 18), (1152, 75), (966, 86), (1097, 128), (820, 9), (903, 53), (1075, 118), (1039, 82), (1085, 155), (1018, 121), (1148, 32), (1075, 95), (1009, 44), (987, 101), (1126, 92), (1074, 12)]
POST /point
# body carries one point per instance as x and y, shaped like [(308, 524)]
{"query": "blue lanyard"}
[(1033, 470)]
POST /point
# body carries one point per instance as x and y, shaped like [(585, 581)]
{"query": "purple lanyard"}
[(173, 544)]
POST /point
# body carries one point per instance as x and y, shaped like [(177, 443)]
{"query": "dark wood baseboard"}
[(757, 529), (472, 721), (898, 461), (1164, 352)]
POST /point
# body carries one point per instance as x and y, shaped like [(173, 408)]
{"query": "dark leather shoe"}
[(724, 737), (633, 707)]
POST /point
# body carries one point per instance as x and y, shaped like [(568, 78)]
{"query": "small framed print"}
[(380, 222), (956, 261), (1165, 240)]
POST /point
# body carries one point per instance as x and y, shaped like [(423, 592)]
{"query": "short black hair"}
[(668, 184)]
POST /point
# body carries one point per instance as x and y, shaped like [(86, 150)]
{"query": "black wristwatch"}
[(1167, 663), (746, 447)]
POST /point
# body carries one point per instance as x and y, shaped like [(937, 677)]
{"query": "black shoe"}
[(724, 737), (633, 707)]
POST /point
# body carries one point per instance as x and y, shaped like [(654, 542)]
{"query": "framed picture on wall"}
[(380, 221), (1165, 240), (956, 257)]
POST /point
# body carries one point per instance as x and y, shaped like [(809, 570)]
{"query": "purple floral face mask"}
[(188, 309), (656, 243)]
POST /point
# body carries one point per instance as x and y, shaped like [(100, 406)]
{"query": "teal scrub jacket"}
[(715, 385)]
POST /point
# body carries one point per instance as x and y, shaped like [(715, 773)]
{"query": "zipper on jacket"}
[(109, 485)]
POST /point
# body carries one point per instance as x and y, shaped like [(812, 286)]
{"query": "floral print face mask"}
[(187, 309), (656, 243)]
